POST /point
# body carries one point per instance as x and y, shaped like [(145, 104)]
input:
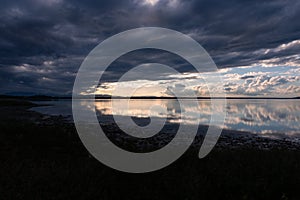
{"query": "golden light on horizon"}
[(147, 90)]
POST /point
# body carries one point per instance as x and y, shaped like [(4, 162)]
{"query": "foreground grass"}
[(49, 162)]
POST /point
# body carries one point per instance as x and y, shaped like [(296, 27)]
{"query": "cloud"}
[(263, 85), (247, 77), (239, 81), (235, 33)]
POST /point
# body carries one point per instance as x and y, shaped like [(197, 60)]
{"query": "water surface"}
[(271, 118)]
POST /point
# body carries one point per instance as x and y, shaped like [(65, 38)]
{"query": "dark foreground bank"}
[(43, 158)]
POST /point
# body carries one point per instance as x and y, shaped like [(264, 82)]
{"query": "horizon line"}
[(135, 97)]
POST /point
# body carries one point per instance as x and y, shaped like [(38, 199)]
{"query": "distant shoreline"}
[(41, 97)]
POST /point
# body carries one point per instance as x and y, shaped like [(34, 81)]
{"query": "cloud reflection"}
[(266, 117)]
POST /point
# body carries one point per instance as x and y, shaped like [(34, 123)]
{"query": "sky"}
[(255, 44)]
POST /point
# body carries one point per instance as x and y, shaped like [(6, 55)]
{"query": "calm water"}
[(271, 118)]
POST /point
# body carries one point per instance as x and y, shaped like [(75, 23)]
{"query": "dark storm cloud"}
[(246, 77), (56, 35)]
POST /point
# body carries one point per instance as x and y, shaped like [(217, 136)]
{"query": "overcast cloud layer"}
[(43, 42)]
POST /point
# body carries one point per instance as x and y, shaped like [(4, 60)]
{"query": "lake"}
[(267, 117)]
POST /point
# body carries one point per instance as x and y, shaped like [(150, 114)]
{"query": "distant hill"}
[(45, 97), (19, 94), (34, 97)]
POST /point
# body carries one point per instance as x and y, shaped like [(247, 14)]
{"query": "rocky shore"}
[(20, 112), (229, 139)]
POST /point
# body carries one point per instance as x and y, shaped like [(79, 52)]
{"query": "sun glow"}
[(150, 2)]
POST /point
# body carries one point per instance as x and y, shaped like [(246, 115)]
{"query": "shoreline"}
[(229, 139), (42, 157)]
